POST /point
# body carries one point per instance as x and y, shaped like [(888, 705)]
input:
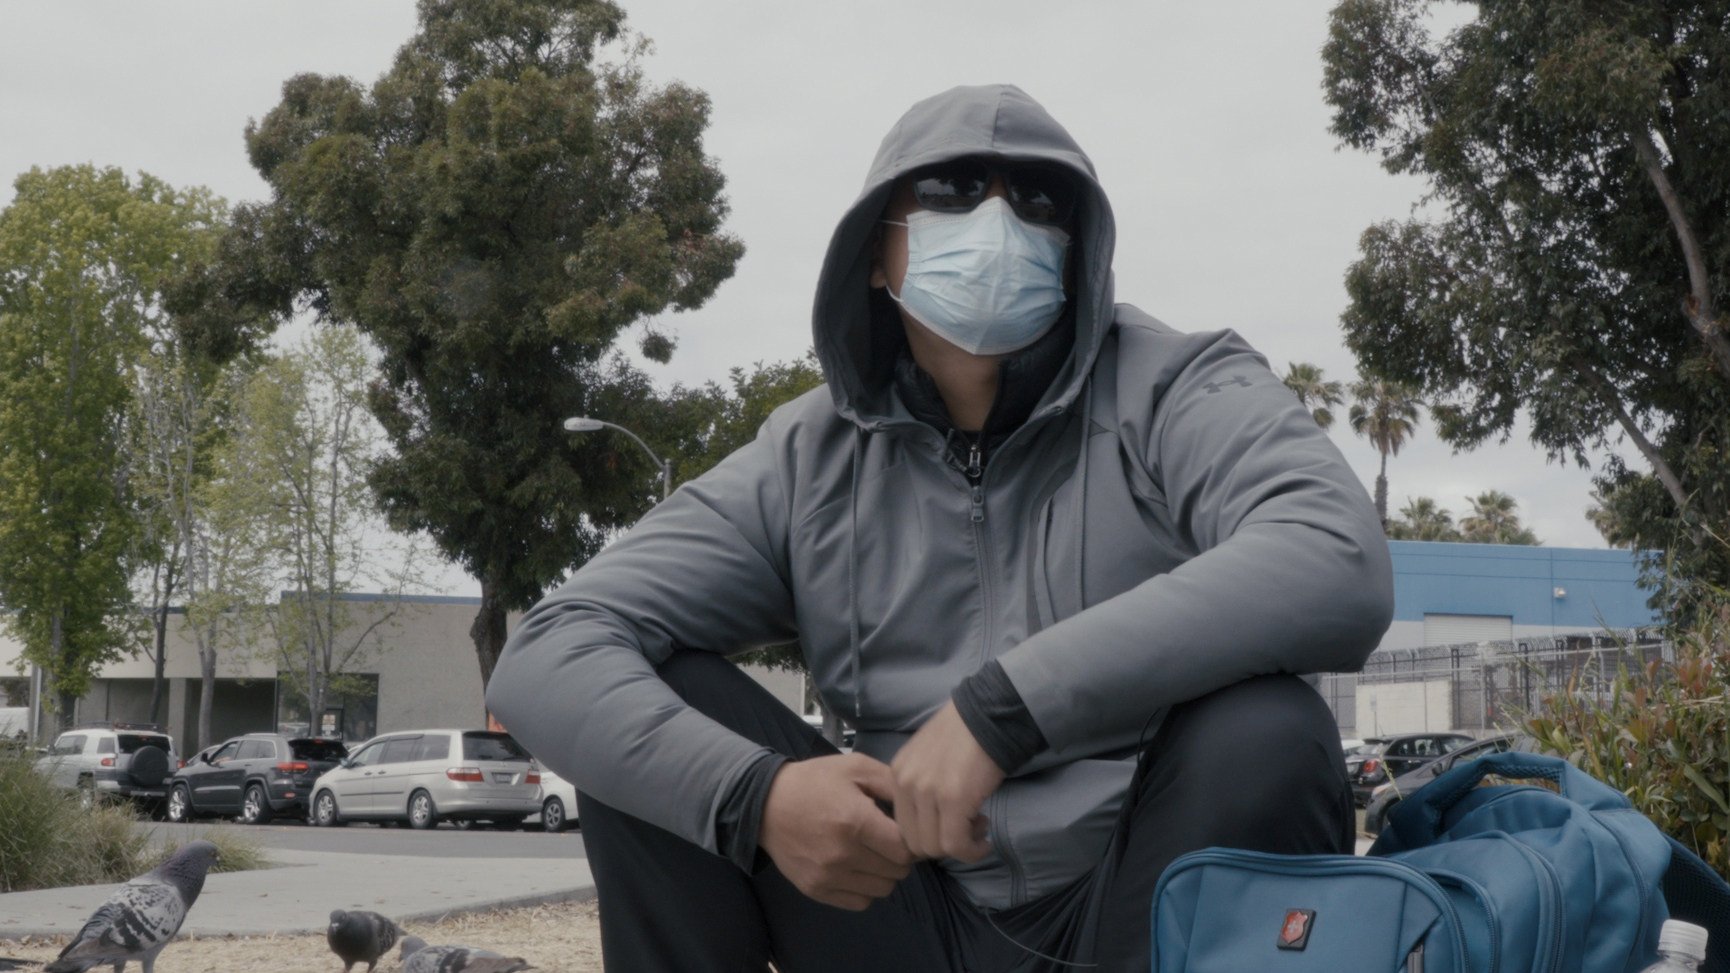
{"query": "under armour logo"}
[(1213, 387)]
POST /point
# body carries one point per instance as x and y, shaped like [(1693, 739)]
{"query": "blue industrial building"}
[(1452, 593)]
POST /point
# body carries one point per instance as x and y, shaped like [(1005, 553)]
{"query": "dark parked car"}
[(255, 777), (1366, 748), (1401, 754), (1385, 796)]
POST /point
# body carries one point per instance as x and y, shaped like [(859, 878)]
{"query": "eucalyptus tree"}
[(496, 212), (1314, 391), (1568, 265), (1385, 413)]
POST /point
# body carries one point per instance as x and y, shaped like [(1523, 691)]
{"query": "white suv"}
[(127, 760)]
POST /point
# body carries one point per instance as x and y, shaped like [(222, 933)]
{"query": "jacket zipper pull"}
[(975, 465), (978, 503)]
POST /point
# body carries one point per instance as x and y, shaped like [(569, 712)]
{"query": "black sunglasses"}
[(1037, 193)]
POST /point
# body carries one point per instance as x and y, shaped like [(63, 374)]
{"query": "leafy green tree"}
[(179, 419), (716, 420), (1385, 413), (1423, 519), (1493, 521), (494, 213), (223, 522), (1571, 266), (294, 492), (1315, 392), (85, 254)]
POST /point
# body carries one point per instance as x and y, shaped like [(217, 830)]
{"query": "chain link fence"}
[(1480, 687)]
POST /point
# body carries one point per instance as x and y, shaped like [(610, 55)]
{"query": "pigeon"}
[(360, 937), (418, 957), (141, 916)]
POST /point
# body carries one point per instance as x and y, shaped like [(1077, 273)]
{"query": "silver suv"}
[(423, 776), (127, 760)]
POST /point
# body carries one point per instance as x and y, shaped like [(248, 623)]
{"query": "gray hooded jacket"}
[(1167, 521)]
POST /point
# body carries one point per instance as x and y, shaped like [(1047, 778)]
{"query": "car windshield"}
[(491, 746), (133, 742), (1365, 749), (317, 749)]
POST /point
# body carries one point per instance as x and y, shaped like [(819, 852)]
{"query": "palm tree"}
[(1386, 413), (1423, 520), (1315, 394), (1610, 524), (1493, 520)]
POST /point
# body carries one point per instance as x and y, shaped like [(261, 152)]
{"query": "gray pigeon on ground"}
[(360, 937), (418, 957), (141, 916)]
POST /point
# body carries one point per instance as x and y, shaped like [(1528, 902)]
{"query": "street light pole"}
[(586, 424)]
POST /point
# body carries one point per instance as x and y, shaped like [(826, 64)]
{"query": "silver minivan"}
[(427, 776)]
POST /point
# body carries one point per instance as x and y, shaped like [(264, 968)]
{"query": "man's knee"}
[(1267, 731), (691, 673), (720, 690)]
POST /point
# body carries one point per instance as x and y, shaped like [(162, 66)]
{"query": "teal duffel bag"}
[(1563, 877)]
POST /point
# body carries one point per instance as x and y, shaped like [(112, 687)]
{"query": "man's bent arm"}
[(1293, 573), (576, 683)]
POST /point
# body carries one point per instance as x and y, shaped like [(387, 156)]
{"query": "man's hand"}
[(942, 778), (824, 831)]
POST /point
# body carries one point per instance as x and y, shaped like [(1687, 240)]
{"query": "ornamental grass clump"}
[(51, 836), (1663, 738)]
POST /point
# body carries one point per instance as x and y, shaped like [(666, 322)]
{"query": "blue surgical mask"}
[(986, 281)]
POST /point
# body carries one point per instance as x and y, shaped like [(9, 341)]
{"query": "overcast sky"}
[(1235, 208)]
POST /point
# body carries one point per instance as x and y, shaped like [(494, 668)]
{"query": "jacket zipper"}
[(996, 814)]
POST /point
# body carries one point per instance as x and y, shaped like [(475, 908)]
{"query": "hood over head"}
[(856, 330)]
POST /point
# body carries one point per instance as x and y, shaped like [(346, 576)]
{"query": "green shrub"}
[(1663, 739), (48, 838)]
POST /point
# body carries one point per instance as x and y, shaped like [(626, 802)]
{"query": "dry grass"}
[(562, 938)]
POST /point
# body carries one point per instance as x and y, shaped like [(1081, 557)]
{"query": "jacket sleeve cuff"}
[(741, 813), (998, 719)]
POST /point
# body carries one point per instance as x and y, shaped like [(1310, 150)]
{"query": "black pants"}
[(1255, 765)]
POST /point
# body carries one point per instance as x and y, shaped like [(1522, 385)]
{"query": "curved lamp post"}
[(586, 424)]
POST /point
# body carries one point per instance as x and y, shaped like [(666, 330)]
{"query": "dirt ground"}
[(563, 938)]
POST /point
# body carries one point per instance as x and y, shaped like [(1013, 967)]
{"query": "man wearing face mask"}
[(1060, 565)]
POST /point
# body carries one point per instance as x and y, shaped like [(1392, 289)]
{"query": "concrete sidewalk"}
[(298, 895)]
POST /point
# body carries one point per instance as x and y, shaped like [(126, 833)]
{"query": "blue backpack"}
[(1468, 878)]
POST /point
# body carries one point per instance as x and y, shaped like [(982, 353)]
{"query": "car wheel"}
[(553, 815), (421, 812), (179, 805), (324, 812), (255, 808)]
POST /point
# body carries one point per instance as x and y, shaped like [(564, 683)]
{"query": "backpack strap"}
[(1571, 782)]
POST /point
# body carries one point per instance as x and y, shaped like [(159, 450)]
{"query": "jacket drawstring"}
[(853, 572), (1081, 497)]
